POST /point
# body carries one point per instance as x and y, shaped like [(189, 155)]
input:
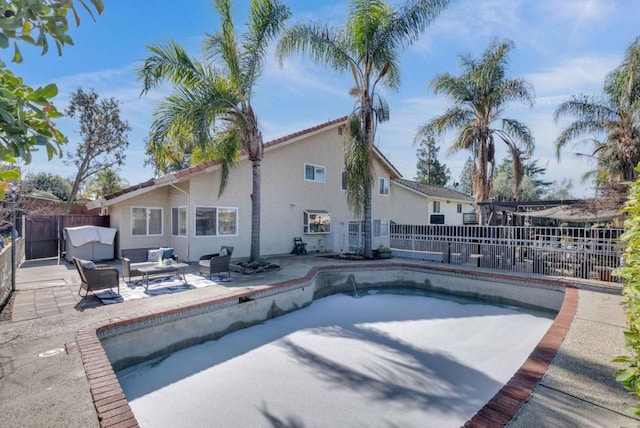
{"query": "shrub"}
[(629, 377)]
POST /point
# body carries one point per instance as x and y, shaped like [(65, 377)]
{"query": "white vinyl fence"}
[(590, 253)]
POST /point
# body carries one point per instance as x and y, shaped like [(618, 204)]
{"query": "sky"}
[(561, 47)]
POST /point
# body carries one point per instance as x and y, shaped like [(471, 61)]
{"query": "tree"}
[(479, 96), (532, 186), (52, 183), (430, 170), (609, 121), (559, 191), (26, 113), (368, 46), (103, 133), (105, 183), (217, 95), (466, 183)]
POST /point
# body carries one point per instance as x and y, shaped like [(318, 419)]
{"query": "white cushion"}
[(205, 263), (223, 252), (152, 255), (87, 264)]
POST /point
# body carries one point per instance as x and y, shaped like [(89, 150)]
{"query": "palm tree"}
[(368, 46), (106, 182), (615, 115), (217, 94), (479, 95)]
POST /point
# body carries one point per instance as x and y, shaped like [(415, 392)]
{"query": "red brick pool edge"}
[(113, 410)]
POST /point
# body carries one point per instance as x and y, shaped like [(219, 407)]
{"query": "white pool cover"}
[(379, 360)]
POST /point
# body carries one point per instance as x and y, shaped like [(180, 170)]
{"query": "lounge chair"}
[(96, 278), (216, 263)]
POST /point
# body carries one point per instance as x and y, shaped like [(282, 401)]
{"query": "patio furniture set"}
[(147, 263)]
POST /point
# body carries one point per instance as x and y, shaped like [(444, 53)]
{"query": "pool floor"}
[(377, 360)]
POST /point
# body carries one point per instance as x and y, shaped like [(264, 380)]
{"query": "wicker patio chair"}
[(216, 263), (92, 279)]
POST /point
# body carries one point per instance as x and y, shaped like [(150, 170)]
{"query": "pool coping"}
[(113, 410)]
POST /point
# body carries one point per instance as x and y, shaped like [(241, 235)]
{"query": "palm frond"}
[(267, 19), (358, 165), (518, 134), (324, 44), (169, 62)]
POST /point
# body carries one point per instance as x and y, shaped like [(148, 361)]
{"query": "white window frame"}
[(307, 226), (316, 168), (185, 226), (384, 186), (381, 228), (436, 207), (217, 221), (148, 219), (235, 226)]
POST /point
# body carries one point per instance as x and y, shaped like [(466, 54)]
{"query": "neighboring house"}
[(302, 195), (423, 204)]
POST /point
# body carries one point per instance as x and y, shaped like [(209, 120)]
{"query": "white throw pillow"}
[(223, 252), (152, 255), (87, 264)]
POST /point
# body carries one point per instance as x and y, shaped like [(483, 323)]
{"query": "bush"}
[(629, 377)]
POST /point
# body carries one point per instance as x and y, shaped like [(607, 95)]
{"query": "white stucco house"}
[(302, 196)]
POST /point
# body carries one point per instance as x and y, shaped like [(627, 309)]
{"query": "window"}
[(437, 219), (459, 209), (227, 221), (380, 227), (343, 181), (216, 221), (179, 221), (383, 186), (436, 206), (146, 221), (317, 221), (314, 173)]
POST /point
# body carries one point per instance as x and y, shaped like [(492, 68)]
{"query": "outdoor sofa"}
[(135, 258)]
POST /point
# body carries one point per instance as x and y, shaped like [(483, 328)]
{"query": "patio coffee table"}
[(158, 270)]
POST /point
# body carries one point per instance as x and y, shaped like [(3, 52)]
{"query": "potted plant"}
[(384, 252)]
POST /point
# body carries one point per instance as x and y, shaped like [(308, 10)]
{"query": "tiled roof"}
[(434, 191)]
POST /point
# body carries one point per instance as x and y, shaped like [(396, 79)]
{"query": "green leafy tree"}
[(559, 191), (609, 123), (479, 96), (430, 170), (532, 186), (465, 180), (104, 183), (629, 376), (54, 184), (368, 46), (217, 95), (104, 137), (26, 113)]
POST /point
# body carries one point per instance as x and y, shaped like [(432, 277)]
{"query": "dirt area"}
[(5, 311)]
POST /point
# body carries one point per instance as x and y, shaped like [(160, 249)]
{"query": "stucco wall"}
[(285, 196), (409, 207)]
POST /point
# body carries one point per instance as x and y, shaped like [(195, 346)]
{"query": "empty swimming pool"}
[(378, 360)]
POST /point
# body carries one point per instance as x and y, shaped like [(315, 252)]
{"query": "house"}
[(303, 194), (429, 204)]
